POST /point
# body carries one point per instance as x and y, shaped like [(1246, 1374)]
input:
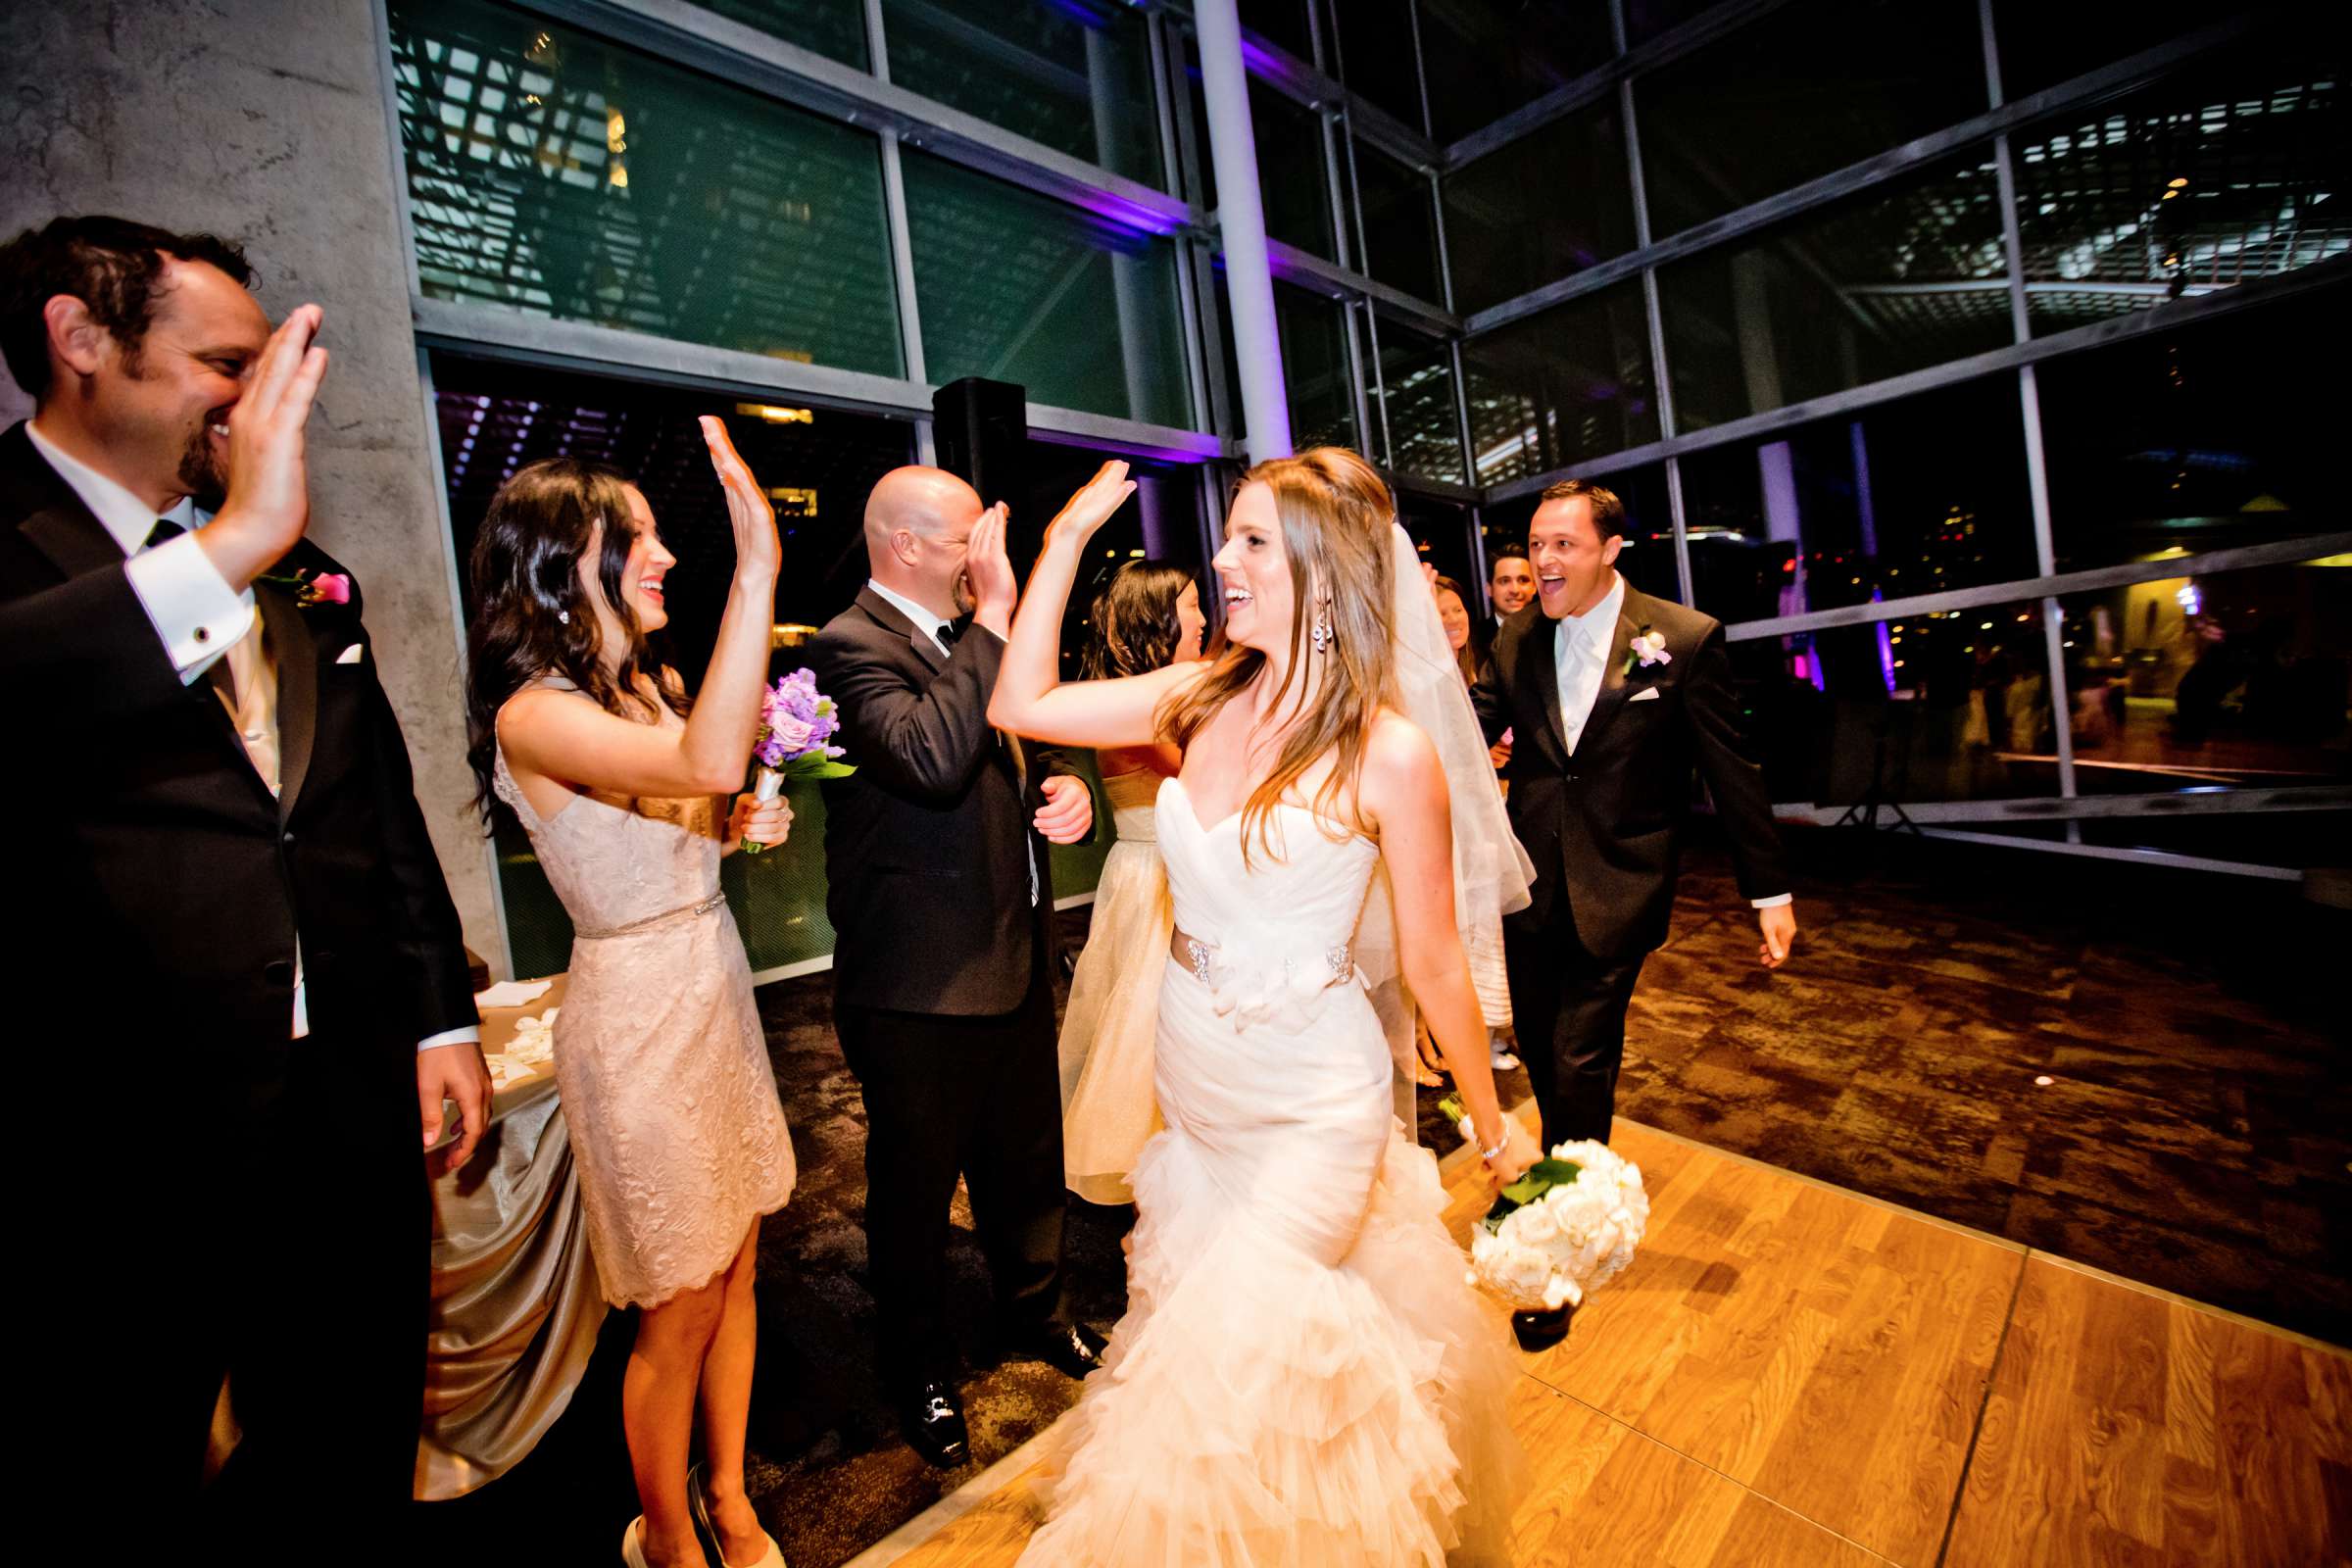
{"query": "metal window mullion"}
[(1412, 22), (877, 46), (902, 257), (1654, 323), (1334, 125), (403, 217), (1354, 193), (1380, 386), (2089, 579), (1436, 208), (1349, 309), (1688, 38), (1309, 271), (1172, 169), (2029, 393), (1866, 173), (770, 67), (893, 209), (1195, 354), (2169, 317), (1461, 413)]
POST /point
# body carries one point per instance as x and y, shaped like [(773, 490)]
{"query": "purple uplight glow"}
[(1127, 215)]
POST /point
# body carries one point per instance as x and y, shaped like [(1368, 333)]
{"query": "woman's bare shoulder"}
[(1400, 768)]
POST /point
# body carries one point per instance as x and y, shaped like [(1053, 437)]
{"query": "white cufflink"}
[(352, 655)]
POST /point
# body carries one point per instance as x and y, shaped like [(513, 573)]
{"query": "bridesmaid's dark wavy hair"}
[(1131, 628), (527, 579)]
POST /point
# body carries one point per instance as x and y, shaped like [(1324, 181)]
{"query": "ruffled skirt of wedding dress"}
[(1262, 1405)]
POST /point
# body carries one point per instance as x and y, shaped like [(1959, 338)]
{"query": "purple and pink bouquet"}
[(797, 726)]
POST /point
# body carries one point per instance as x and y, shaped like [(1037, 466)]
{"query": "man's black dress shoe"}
[(1540, 1330), (932, 1417), (1070, 1348)]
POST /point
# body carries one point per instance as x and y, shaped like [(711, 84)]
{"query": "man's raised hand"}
[(269, 500), (988, 568)]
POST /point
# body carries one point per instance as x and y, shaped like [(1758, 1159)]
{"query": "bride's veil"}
[(1492, 873)]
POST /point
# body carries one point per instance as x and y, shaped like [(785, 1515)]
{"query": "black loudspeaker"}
[(981, 430)]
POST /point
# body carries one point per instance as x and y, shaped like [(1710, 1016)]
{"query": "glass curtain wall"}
[(623, 217), (1967, 358), (1889, 317)]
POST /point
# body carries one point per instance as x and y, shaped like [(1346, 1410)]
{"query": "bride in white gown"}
[(1302, 1377)]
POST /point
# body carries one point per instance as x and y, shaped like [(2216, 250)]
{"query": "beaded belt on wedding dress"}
[(1200, 958), (630, 928)]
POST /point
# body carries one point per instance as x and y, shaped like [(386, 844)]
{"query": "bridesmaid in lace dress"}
[(1148, 618), (675, 1126)]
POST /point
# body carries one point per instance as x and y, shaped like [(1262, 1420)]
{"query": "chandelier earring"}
[(1323, 636)]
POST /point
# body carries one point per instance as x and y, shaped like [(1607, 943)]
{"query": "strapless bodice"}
[(1281, 921)]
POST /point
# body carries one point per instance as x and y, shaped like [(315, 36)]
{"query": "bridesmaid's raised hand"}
[(756, 548), (1090, 508)]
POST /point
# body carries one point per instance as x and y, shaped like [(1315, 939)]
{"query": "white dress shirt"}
[(1580, 656), (927, 624), (201, 619)]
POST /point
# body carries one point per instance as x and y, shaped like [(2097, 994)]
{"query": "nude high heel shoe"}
[(700, 1506)]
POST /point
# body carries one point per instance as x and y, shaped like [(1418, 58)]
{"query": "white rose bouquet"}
[(1568, 1226)]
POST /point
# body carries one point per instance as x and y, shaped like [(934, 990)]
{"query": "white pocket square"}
[(1647, 694), (352, 655)]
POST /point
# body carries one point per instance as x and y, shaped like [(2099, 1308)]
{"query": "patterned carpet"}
[(2195, 1135)]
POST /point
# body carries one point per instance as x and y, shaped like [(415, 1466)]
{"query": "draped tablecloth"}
[(515, 1306)]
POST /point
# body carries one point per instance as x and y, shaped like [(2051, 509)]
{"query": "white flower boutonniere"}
[(1647, 648)]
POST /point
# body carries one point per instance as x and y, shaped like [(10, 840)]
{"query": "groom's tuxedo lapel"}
[(78, 544), (1631, 615), (74, 542), (295, 647)]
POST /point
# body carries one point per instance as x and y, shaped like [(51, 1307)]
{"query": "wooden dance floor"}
[(1792, 1374)]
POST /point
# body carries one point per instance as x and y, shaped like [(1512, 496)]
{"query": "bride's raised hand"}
[(1090, 507), (757, 549)]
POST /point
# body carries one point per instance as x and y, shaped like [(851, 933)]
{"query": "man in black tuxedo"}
[(1614, 697), (245, 980), (942, 907)]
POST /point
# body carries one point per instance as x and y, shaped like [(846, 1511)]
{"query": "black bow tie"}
[(950, 631), (164, 532)]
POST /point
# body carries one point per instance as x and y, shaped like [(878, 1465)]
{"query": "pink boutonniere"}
[(1647, 648), (314, 588)]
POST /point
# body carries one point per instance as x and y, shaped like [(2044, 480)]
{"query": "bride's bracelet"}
[(1501, 1144)]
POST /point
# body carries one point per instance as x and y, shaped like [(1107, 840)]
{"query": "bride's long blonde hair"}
[(1335, 516)]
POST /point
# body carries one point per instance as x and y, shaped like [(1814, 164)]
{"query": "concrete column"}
[(265, 121), (1241, 224)]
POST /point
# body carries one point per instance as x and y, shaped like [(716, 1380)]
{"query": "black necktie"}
[(164, 532), (949, 632)]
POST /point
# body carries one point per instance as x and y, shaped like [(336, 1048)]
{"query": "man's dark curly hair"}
[(112, 264)]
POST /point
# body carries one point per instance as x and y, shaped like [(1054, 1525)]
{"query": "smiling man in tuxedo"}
[(942, 900), (1615, 698), (247, 989)]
